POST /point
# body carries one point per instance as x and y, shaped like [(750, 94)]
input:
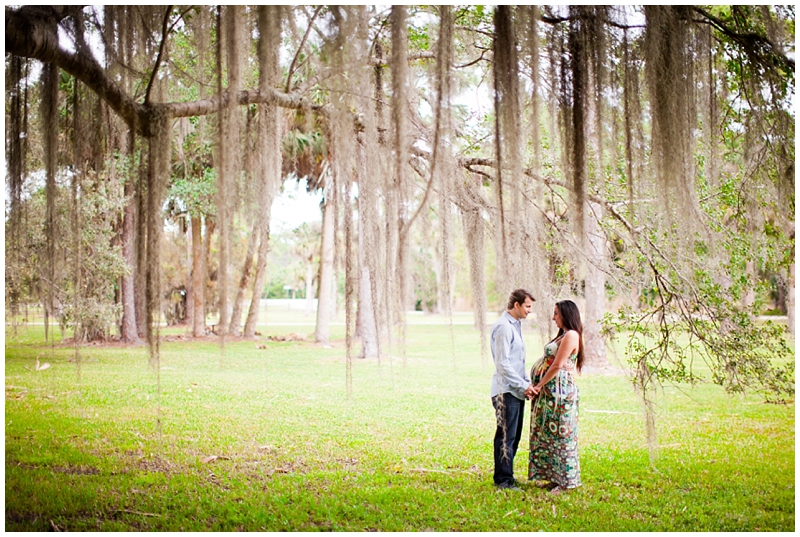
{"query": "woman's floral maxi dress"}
[(554, 424)]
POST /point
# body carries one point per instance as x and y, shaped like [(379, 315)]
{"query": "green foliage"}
[(85, 274), (419, 38), (685, 319), (91, 309), (473, 16), (700, 296), (195, 195)]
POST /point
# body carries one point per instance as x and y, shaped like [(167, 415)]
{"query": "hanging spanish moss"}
[(576, 128), (78, 137), (223, 169), (444, 164), (158, 174), (201, 30), (590, 175), (554, 44), (351, 277), (598, 51), (668, 71), (117, 41), (369, 169), (345, 167), (507, 150), (129, 332), (531, 51), (16, 154), (399, 72), (532, 263), (144, 22), (629, 78), (15, 140), (140, 269), (593, 239), (238, 47), (367, 328), (228, 148), (268, 143), (474, 239), (397, 193), (251, 215), (709, 104), (49, 112), (384, 262), (235, 327)]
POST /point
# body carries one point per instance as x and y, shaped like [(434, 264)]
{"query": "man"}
[(510, 386)]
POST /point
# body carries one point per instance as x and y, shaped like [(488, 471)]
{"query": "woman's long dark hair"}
[(571, 320)]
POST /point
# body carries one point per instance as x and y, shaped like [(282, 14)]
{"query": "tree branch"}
[(30, 35), (557, 20), (210, 105), (164, 32), (473, 62), (477, 31), (300, 48), (748, 41)]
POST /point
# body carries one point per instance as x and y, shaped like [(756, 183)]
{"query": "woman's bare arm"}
[(569, 345)]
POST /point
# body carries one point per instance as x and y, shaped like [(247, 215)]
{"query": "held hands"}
[(531, 391)]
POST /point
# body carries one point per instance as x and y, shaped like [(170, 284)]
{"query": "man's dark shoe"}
[(511, 485)]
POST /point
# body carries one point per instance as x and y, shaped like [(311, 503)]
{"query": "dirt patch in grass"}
[(134, 461), (76, 470)]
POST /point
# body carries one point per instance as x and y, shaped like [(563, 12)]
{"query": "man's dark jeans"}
[(510, 415)]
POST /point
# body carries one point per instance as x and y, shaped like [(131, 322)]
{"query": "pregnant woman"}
[(554, 413)]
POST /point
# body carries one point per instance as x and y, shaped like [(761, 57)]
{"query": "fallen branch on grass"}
[(433, 470), (211, 458), (136, 512)]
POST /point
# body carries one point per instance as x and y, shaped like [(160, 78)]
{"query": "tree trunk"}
[(198, 280), (595, 345), (268, 144), (140, 265), (129, 332), (309, 285), (158, 172), (326, 275), (367, 328), (437, 268), (790, 300), (211, 226), (189, 313), (749, 297), (247, 271), (261, 271)]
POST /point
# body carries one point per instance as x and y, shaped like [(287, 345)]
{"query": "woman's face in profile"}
[(557, 317)]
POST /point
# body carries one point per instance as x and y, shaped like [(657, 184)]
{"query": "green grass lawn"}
[(267, 439)]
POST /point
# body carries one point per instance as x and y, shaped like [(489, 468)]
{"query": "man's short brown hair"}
[(518, 297)]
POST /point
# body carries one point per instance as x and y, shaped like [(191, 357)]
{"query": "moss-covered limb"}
[(32, 36), (758, 46)]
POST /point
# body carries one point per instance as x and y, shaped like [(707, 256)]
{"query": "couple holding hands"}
[(553, 461)]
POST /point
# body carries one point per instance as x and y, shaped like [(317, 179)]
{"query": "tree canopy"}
[(638, 158)]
